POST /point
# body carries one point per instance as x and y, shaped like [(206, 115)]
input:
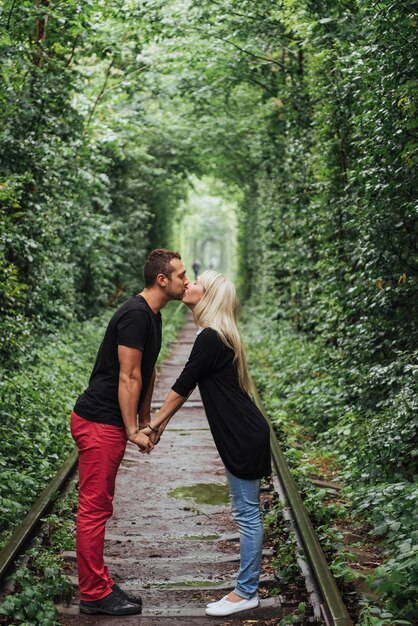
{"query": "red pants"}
[(101, 449)]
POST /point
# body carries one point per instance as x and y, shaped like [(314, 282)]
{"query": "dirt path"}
[(177, 552)]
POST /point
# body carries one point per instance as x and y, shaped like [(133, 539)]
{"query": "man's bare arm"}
[(130, 385), (144, 415)]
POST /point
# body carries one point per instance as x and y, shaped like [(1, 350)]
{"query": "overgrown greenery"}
[(85, 185), (38, 580), (36, 406), (306, 111), (286, 372)]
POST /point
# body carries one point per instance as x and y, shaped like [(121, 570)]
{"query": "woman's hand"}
[(160, 420), (151, 434), (141, 440)]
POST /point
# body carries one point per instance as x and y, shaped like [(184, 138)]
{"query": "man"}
[(112, 409)]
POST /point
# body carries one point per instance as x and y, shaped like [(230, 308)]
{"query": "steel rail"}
[(334, 610), (24, 532)]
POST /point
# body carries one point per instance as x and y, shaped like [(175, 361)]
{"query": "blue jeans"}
[(245, 499)]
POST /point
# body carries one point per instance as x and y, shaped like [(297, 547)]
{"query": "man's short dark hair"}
[(158, 262)]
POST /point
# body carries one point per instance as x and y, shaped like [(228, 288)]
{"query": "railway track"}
[(172, 537)]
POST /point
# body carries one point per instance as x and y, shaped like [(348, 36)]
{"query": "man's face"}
[(178, 282)]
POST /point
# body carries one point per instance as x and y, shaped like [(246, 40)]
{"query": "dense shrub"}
[(86, 174), (374, 453)]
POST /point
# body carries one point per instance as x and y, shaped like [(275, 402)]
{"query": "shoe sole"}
[(216, 602), (92, 611)]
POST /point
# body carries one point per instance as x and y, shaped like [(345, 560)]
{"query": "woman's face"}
[(194, 293)]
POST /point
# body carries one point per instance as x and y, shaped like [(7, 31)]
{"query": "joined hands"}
[(140, 439), (153, 436)]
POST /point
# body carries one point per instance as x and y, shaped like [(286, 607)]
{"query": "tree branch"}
[(257, 17), (101, 92), (9, 17), (71, 57), (271, 61), (139, 69), (259, 83)]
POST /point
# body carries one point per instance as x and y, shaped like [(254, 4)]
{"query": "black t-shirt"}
[(239, 429), (134, 325)]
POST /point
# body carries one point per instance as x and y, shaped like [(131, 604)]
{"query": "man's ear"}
[(162, 280)]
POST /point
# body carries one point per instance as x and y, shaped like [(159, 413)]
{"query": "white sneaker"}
[(216, 601), (226, 607)]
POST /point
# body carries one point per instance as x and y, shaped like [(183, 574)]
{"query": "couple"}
[(116, 407)]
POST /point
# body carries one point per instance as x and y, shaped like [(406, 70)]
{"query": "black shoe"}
[(112, 604), (122, 594)]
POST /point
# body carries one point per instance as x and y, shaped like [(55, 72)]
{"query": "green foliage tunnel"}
[(305, 113)]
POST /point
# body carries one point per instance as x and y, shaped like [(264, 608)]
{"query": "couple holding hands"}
[(116, 405)]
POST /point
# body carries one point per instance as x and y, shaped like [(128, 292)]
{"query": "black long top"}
[(240, 431)]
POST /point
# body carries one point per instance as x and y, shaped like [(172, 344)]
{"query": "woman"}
[(217, 364)]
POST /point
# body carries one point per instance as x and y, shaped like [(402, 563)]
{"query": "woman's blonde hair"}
[(218, 309)]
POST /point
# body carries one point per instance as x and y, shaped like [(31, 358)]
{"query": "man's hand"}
[(141, 440)]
